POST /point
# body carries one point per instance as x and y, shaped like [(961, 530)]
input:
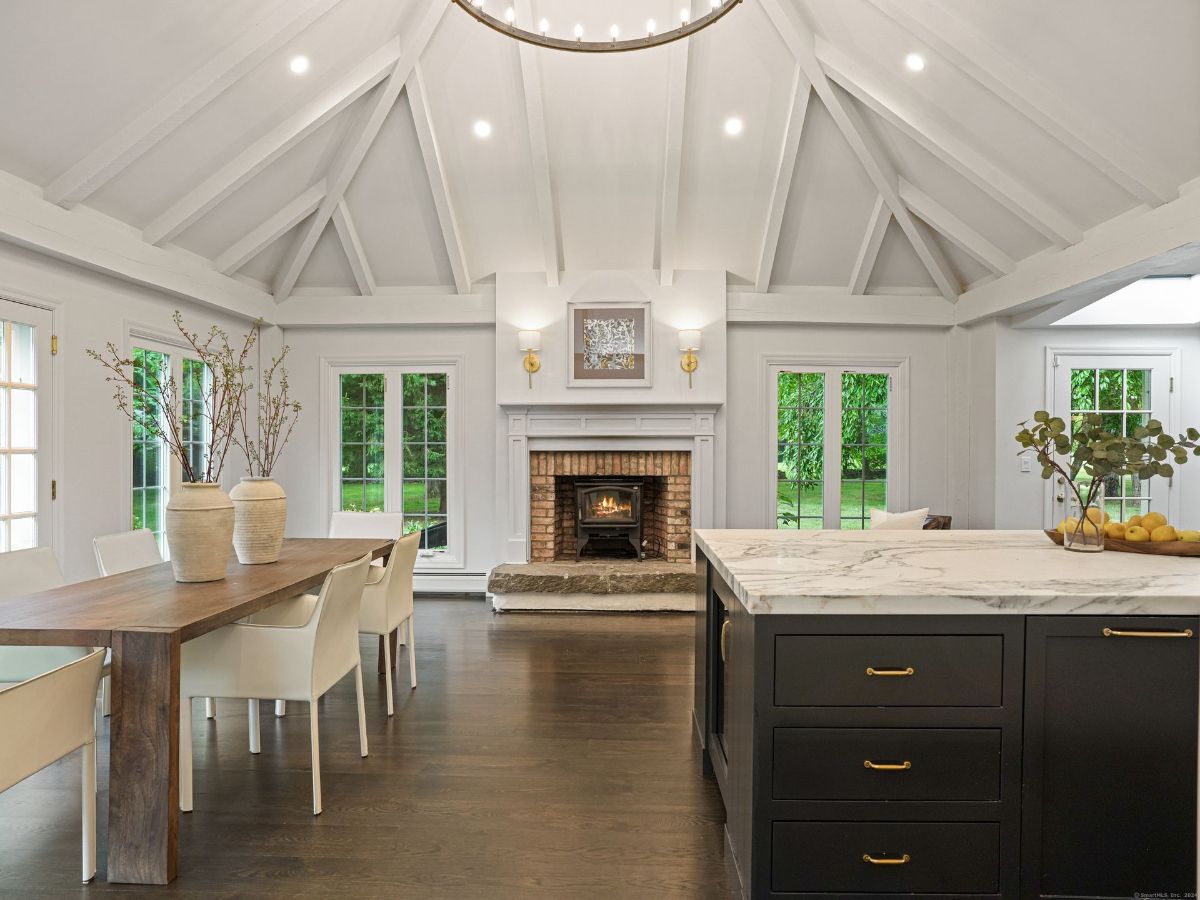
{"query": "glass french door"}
[(25, 487), (1127, 391), (833, 446)]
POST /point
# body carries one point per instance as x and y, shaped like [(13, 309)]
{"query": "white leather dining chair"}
[(126, 551), (387, 603), (27, 572), (44, 718), (298, 662)]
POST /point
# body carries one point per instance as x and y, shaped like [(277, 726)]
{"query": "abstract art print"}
[(609, 344)]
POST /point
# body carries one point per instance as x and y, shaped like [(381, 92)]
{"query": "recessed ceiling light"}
[(733, 126), (482, 129), (298, 65), (915, 62)]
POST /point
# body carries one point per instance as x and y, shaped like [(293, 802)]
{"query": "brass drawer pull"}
[(894, 673), (887, 767), (868, 858), (725, 640), (1112, 632)]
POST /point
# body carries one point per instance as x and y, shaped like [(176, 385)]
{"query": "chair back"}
[(45, 718), (28, 572), (366, 525), (399, 577), (126, 551), (335, 643)]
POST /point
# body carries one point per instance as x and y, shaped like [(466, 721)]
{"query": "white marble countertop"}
[(944, 572)]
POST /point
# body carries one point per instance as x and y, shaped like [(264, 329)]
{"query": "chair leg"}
[(210, 707), (412, 655), (402, 633), (387, 676), (252, 724), (362, 708), (185, 754), (89, 811), (316, 755), (280, 709), (106, 694)]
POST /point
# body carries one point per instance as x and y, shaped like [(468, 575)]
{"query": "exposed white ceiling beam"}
[(784, 169), (800, 40), (535, 115), (354, 146), (864, 263), (410, 309), (250, 46), (250, 245), (440, 187), (819, 308), (956, 230), (668, 214), (353, 248), (88, 239), (937, 138), (1149, 242), (1090, 138), (220, 184), (1072, 302)]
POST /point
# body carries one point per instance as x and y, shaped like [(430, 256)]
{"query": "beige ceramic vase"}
[(260, 513), (199, 532)]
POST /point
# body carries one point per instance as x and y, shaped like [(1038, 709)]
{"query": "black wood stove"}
[(608, 515)]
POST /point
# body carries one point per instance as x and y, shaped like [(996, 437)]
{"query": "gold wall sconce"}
[(689, 343), (531, 343)]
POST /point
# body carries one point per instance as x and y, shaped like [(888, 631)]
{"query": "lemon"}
[(1164, 533), (1153, 520), (1133, 520), (1115, 530), (1097, 515), (1190, 536), (1136, 534)]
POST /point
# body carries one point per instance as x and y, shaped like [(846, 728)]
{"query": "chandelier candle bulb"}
[(651, 27), (510, 16), (579, 32), (543, 27), (615, 32), (684, 17)]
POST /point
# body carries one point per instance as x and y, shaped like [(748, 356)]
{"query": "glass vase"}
[(1084, 527)]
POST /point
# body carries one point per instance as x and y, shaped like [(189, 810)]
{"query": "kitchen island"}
[(949, 713)]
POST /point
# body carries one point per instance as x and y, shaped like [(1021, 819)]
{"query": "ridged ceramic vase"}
[(199, 532), (260, 513)]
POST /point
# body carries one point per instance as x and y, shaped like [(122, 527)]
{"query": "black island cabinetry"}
[(994, 755)]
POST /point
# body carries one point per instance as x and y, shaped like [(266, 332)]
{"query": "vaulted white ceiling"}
[(1031, 125)]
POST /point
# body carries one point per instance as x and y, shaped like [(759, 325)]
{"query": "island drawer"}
[(886, 764), (889, 670), (885, 857)]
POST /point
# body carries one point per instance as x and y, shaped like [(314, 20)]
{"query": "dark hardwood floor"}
[(541, 756)]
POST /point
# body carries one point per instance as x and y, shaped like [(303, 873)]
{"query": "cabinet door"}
[(1109, 793)]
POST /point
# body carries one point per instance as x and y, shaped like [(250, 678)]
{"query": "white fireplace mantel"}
[(575, 427)]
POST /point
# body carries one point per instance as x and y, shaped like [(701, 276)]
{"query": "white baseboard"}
[(595, 602), (450, 583)]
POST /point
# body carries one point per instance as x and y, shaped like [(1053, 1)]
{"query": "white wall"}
[(749, 434), (91, 456), (308, 509), (695, 300)]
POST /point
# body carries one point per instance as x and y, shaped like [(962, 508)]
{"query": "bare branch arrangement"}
[(277, 416), (151, 400)]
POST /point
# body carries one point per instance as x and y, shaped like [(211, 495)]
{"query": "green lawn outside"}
[(808, 504), (369, 497)]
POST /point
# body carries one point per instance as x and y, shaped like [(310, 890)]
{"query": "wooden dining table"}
[(145, 616)]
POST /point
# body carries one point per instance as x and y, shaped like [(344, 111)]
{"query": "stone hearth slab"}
[(601, 585)]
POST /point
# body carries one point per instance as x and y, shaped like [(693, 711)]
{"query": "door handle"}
[(875, 861), (725, 640), (887, 767), (891, 673), (1112, 632)]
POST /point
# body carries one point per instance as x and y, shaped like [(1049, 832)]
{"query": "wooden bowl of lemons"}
[(1151, 533)]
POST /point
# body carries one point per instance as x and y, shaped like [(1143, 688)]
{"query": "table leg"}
[(143, 797)]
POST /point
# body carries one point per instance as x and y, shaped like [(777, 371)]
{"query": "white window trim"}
[(455, 556), (1174, 406), (898, 420)]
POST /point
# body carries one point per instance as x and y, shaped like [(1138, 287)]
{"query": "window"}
[(1127, 390), (831, 477), (155, 470), (395, 451), (24, 376)]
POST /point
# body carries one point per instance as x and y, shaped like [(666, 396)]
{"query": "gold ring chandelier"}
[(542, 38)]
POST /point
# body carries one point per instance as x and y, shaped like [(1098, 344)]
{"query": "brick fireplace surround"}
[(666, 499)]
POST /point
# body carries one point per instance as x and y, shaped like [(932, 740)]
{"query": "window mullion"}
[(832, 489)]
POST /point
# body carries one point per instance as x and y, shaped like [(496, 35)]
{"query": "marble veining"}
[(944, 572)]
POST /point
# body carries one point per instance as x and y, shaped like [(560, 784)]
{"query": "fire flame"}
[(607, 507)]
